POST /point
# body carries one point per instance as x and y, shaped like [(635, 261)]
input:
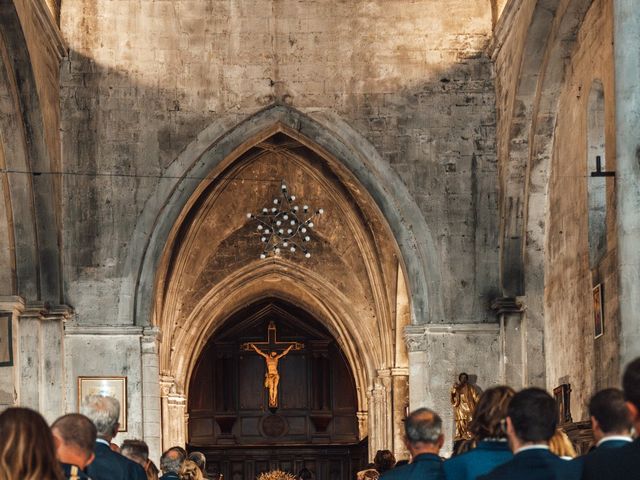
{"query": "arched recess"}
[(210, 267), (331, 135), (34, 197), (550, 40)]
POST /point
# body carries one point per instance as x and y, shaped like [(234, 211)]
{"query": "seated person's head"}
[(75, 438), (384, 460), (423, 431), (631, 387), (199, 459), (136, 450), (560, 444), (609, 414), (104, 412), (532, 417), (488, 418), (27, 446), (190, 471), (172, 460)]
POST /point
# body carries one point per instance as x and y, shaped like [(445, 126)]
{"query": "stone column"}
[(53, 397), (512, 338), (174, 414), (363, 425), (379, 414), (151, 409), (416, 339), (13, 306), (626, 34), (400, 400)]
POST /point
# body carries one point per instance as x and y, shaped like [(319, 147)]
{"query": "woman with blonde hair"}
[(561, 445), (27, 451), (190, 471)]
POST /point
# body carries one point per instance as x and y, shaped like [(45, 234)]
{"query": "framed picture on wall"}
[(108, 387), (598, 312), (6, 340)]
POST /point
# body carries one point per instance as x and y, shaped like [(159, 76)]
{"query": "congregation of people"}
[(514, 435)]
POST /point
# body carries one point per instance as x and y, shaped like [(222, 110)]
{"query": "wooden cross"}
[(272, 344)]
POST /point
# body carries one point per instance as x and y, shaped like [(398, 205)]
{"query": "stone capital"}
[(416, 338)]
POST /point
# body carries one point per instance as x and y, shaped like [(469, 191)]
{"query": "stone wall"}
[(144, 78), (570, 345)]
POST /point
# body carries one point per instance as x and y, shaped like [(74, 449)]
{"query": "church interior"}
[(275, 227)]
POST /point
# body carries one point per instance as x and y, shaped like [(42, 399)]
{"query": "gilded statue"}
[(464, 398), (272, 345), (271, 376)]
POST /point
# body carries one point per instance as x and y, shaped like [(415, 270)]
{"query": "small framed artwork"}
[(6, 340), (108, 387), (598, 312), (562, 394)]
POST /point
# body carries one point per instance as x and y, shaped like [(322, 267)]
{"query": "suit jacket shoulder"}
[(423, 467), (613, 463), (535, 465), (110, 465)]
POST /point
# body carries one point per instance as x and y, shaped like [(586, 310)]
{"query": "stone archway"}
[(355, 282)]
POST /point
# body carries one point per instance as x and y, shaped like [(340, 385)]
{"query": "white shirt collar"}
[(102, 440), (623, 438), (532, 447)]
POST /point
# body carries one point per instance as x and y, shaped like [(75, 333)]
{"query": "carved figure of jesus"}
[(272, 377)]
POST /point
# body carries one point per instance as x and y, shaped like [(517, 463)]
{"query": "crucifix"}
[(271, 358)]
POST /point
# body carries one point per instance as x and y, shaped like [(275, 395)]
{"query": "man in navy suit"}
[(104, 412), (75, 439), (610, 419), (622, 462), (424, 439), (532, 417)]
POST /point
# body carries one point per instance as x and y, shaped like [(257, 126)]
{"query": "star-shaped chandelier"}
[(285, 226)]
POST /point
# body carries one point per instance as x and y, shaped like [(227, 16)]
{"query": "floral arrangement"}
[(276, 475)]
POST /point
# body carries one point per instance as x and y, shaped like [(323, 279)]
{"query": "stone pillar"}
[(174, 414), (400, 400), (53, 397), (151, 409), (12, 306), (363, 425), (379, 418), (513, 346), (29, 337), (626, 34), (416, 339)]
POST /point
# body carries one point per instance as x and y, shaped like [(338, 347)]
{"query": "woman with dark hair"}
[(488, 446), (384, 460), (27, 451)]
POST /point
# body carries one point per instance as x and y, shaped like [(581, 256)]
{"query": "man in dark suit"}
[(424, 439), (75, 438), (610, 419), (108, 465), (171, 462), (532, 417), (623, 462)]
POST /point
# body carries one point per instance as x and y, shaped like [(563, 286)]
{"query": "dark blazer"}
[(470, 465), (425, 466), (613, 463), (606, 444), (110, 465), (535, 464)]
